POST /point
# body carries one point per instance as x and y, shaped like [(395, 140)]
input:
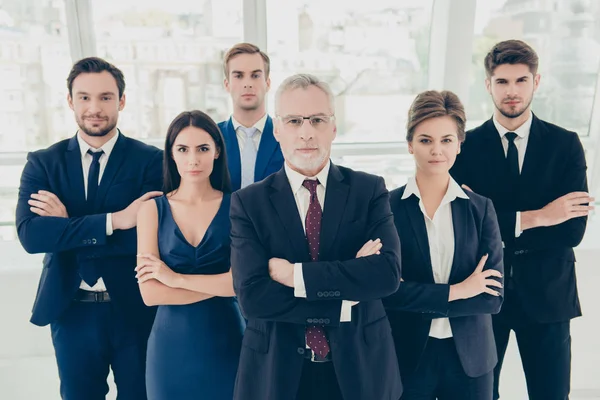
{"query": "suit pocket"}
[(376, 332), (256, 340)]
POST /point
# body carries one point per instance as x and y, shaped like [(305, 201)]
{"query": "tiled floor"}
[(28, 370)]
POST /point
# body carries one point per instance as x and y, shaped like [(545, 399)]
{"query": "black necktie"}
[(89, 273), (512, 155), (93, 177)]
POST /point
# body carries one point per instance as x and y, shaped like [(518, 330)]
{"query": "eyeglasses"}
[(316, 121)]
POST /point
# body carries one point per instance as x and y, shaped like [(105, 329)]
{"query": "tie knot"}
[(311, 185), (510, 136), (250, 132), (95, 154)]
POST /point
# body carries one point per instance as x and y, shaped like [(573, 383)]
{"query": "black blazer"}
[(419, 299), (542, 258), (265, 223), (133, 169)]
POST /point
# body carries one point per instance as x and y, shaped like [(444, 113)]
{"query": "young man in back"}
[(252, 151)]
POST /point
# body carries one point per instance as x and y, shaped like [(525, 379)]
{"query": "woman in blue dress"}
[(183, 267)]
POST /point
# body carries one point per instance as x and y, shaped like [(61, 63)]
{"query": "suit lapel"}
[(233, 155), (266, 148), (459, 224), (497, 156), (75, 174), (116, 158), (336, 196), (417, 221), (284, 203)]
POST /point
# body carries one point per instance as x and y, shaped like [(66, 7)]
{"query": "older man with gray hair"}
[(314, 249)]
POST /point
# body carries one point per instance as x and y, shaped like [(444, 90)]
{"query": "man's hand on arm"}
[(127, 218), (47, 204), (571, 205), (282, 271)]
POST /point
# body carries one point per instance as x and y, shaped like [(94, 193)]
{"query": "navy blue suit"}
[(269, 158), (419, 299), (265, 223), (80, 241)]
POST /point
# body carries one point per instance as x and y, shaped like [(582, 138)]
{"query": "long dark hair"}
[(219, 178)]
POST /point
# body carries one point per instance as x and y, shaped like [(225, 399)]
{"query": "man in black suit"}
[(77, 203), (297, 273), (535, 174)]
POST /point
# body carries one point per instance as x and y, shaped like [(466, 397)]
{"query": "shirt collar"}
[(522, 131), (296, 179), (454, 191), (259, 125), (107, 147)]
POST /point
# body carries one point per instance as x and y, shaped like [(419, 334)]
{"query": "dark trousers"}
[(318, 382), (545, 351), (440, 375), (89, 339)]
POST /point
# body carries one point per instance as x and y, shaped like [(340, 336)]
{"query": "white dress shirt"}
[(521, 145), (242, 137), (86, 162), (302, 197), (440, 234)]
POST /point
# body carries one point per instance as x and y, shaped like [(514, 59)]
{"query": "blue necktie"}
[(248, 156), (89, 273)]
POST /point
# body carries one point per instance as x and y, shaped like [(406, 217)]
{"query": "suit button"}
[(319, 294), (94, 241), (321, 321), (337, 293), (300, 350), (326, 294), (310, 320), (326, 320)]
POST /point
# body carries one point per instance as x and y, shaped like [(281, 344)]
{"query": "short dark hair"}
[(434, 104), (95, 65), (511, 52), (245, 48), (219, 177)]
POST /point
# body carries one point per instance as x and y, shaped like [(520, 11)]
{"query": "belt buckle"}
[(312, 356), (99, 297)]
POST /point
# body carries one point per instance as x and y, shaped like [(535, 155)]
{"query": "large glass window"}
[(566, 36), (374, 54), (171, 54), (34, 64)]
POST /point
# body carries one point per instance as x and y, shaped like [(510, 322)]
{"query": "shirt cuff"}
[(299, 288), (346, 313), (518, 230), (109, 228)]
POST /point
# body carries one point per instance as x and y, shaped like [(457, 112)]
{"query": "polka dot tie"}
[(315, 335)]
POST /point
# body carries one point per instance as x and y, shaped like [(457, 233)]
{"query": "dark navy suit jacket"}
[(265, 223), (269, 158), (419, 299), (133, 169)]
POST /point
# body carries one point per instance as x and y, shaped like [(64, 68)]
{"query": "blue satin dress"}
[(193, 349)]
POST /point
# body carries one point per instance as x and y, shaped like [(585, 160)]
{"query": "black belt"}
[(87, 296)]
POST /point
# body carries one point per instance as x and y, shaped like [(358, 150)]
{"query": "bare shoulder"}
[(148, 209)]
